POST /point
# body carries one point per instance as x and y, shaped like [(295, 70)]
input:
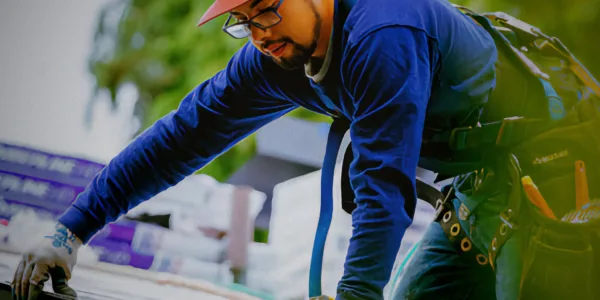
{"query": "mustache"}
[(267, 44)]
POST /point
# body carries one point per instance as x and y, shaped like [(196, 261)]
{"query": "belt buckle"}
[(506, 218), (443, 204), (506, 130), (458, 138)]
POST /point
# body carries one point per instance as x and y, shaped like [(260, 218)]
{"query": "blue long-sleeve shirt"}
[(397, 66)]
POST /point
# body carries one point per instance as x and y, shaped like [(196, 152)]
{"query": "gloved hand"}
[(53, 257)]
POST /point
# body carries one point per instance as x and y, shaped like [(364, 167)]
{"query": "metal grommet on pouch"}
[(447, 216), (481, 259), (438, 204), (465, 244), (455, 229)]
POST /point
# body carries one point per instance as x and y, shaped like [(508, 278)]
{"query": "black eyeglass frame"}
[(249, 22)]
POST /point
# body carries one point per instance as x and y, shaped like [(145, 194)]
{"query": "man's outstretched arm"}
[(389, 74), (212, 118)]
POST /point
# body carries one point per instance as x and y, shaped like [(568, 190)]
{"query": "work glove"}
[(52, 257)]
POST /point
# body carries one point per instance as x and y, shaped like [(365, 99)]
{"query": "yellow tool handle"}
[(582, 196), (536, 198)]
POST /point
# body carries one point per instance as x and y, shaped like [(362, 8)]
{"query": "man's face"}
[(293, 40)]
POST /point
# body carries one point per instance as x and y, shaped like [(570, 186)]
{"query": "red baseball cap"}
[(218, 8)]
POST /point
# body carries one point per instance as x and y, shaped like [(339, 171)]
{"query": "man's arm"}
[(212, 118), (389, 74)]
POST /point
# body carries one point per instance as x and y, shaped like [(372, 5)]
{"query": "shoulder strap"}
[(555, 103), (547, 43)]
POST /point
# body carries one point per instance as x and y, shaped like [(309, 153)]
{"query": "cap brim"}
[(218, 8)]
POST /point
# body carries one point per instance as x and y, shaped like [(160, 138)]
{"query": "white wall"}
[(44, 84)]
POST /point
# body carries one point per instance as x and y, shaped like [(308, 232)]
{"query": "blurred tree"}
[(156, 46)]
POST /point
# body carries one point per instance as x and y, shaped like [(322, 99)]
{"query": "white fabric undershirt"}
[(324, 68)]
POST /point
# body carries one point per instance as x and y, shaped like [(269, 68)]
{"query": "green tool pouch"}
[(550, 157), (560, 260), (561, 255)]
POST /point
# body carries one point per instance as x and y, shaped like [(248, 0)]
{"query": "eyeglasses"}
[(265, 19)]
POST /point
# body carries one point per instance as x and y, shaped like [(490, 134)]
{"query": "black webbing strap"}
[(508, 132), (448, 219)]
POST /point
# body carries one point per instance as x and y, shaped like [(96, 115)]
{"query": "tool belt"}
[(559, 223), (555, 144), (559, 258)]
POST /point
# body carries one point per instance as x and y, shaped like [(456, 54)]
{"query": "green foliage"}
[(156, 46)]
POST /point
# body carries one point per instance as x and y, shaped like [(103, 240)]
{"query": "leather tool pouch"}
[(561, 257), (561, 260)]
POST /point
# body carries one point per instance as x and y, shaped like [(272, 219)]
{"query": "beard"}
[(300, 53)]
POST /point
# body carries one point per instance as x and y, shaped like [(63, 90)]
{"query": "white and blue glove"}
[(54, 256)]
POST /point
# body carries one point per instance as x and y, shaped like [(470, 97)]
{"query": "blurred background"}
[(80, 79)]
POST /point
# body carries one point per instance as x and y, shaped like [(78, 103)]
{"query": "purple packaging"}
[(141, 237), (41, 164), (122, 230), (119, 253), (117, 232), (36, 191), (10, 207)]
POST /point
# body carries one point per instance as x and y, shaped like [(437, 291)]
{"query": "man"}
[(391, 68)]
